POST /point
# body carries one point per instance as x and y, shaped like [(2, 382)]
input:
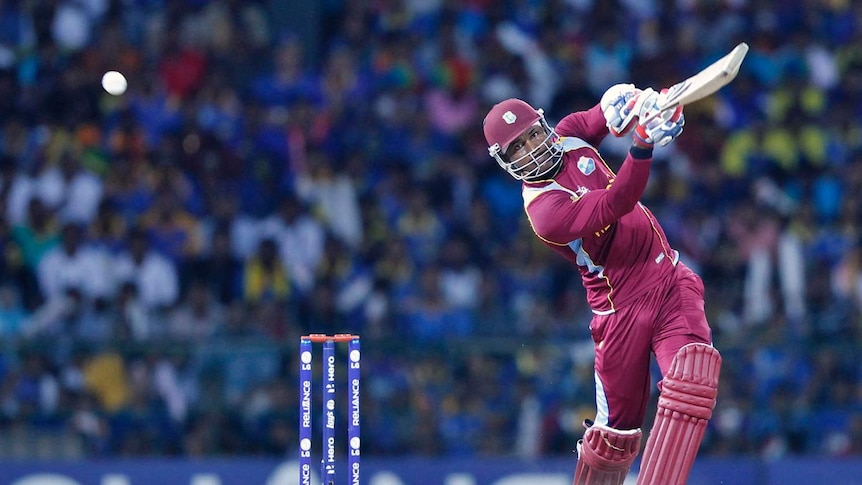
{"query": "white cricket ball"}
[(114, 83)]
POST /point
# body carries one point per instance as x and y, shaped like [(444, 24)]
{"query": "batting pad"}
[(605, 455), (685, 404)]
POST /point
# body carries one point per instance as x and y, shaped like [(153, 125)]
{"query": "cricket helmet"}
[(505, 122)]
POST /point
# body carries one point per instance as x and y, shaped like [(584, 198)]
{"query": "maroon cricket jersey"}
[(592, 217)]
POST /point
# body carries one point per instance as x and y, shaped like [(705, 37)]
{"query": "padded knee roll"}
[(686, 401), (605, 455)]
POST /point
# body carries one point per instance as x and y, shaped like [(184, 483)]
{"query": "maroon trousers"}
[(661, 321)]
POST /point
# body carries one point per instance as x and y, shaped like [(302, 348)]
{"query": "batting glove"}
[(621, 105), (661, 129)]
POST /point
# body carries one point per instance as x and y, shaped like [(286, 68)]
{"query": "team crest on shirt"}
[(586, 165)]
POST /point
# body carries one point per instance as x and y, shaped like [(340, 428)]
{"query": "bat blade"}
[(706, 82)]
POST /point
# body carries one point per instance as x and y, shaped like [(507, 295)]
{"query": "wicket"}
[(328, 462)]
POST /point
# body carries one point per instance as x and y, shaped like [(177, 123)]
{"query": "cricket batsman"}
[(644, 300)]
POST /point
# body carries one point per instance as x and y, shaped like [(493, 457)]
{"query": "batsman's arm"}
[(560, 218), (587, 125)]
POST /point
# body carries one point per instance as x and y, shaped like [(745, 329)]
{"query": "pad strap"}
[(605, 455)]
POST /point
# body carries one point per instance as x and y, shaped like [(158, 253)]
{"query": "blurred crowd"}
[(162, 251)]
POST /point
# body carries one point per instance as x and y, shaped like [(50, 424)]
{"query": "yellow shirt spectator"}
[(105, 377), (265, 277)]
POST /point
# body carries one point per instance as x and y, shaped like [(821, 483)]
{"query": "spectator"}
[(264, 276), (197, 318), (218, 268), (75, 265), (153, 274), (108, 228), (34, 389), (300, 239), (68, 315), (130, 187), (289, 79), (12, 313), (34, 239), (133, 320), (334, 196), (429, 316), (172, 230), (421, 228), (460, 279), (81, 190)]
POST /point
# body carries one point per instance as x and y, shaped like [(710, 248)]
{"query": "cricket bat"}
[(712, 78)]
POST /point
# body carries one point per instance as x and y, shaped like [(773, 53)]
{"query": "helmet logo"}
[(509, 117)]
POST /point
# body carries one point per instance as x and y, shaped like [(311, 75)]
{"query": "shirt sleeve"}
[(587, 125), (558, 218)]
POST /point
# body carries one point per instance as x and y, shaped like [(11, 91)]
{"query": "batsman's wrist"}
[(638, 142), (640, 152)]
